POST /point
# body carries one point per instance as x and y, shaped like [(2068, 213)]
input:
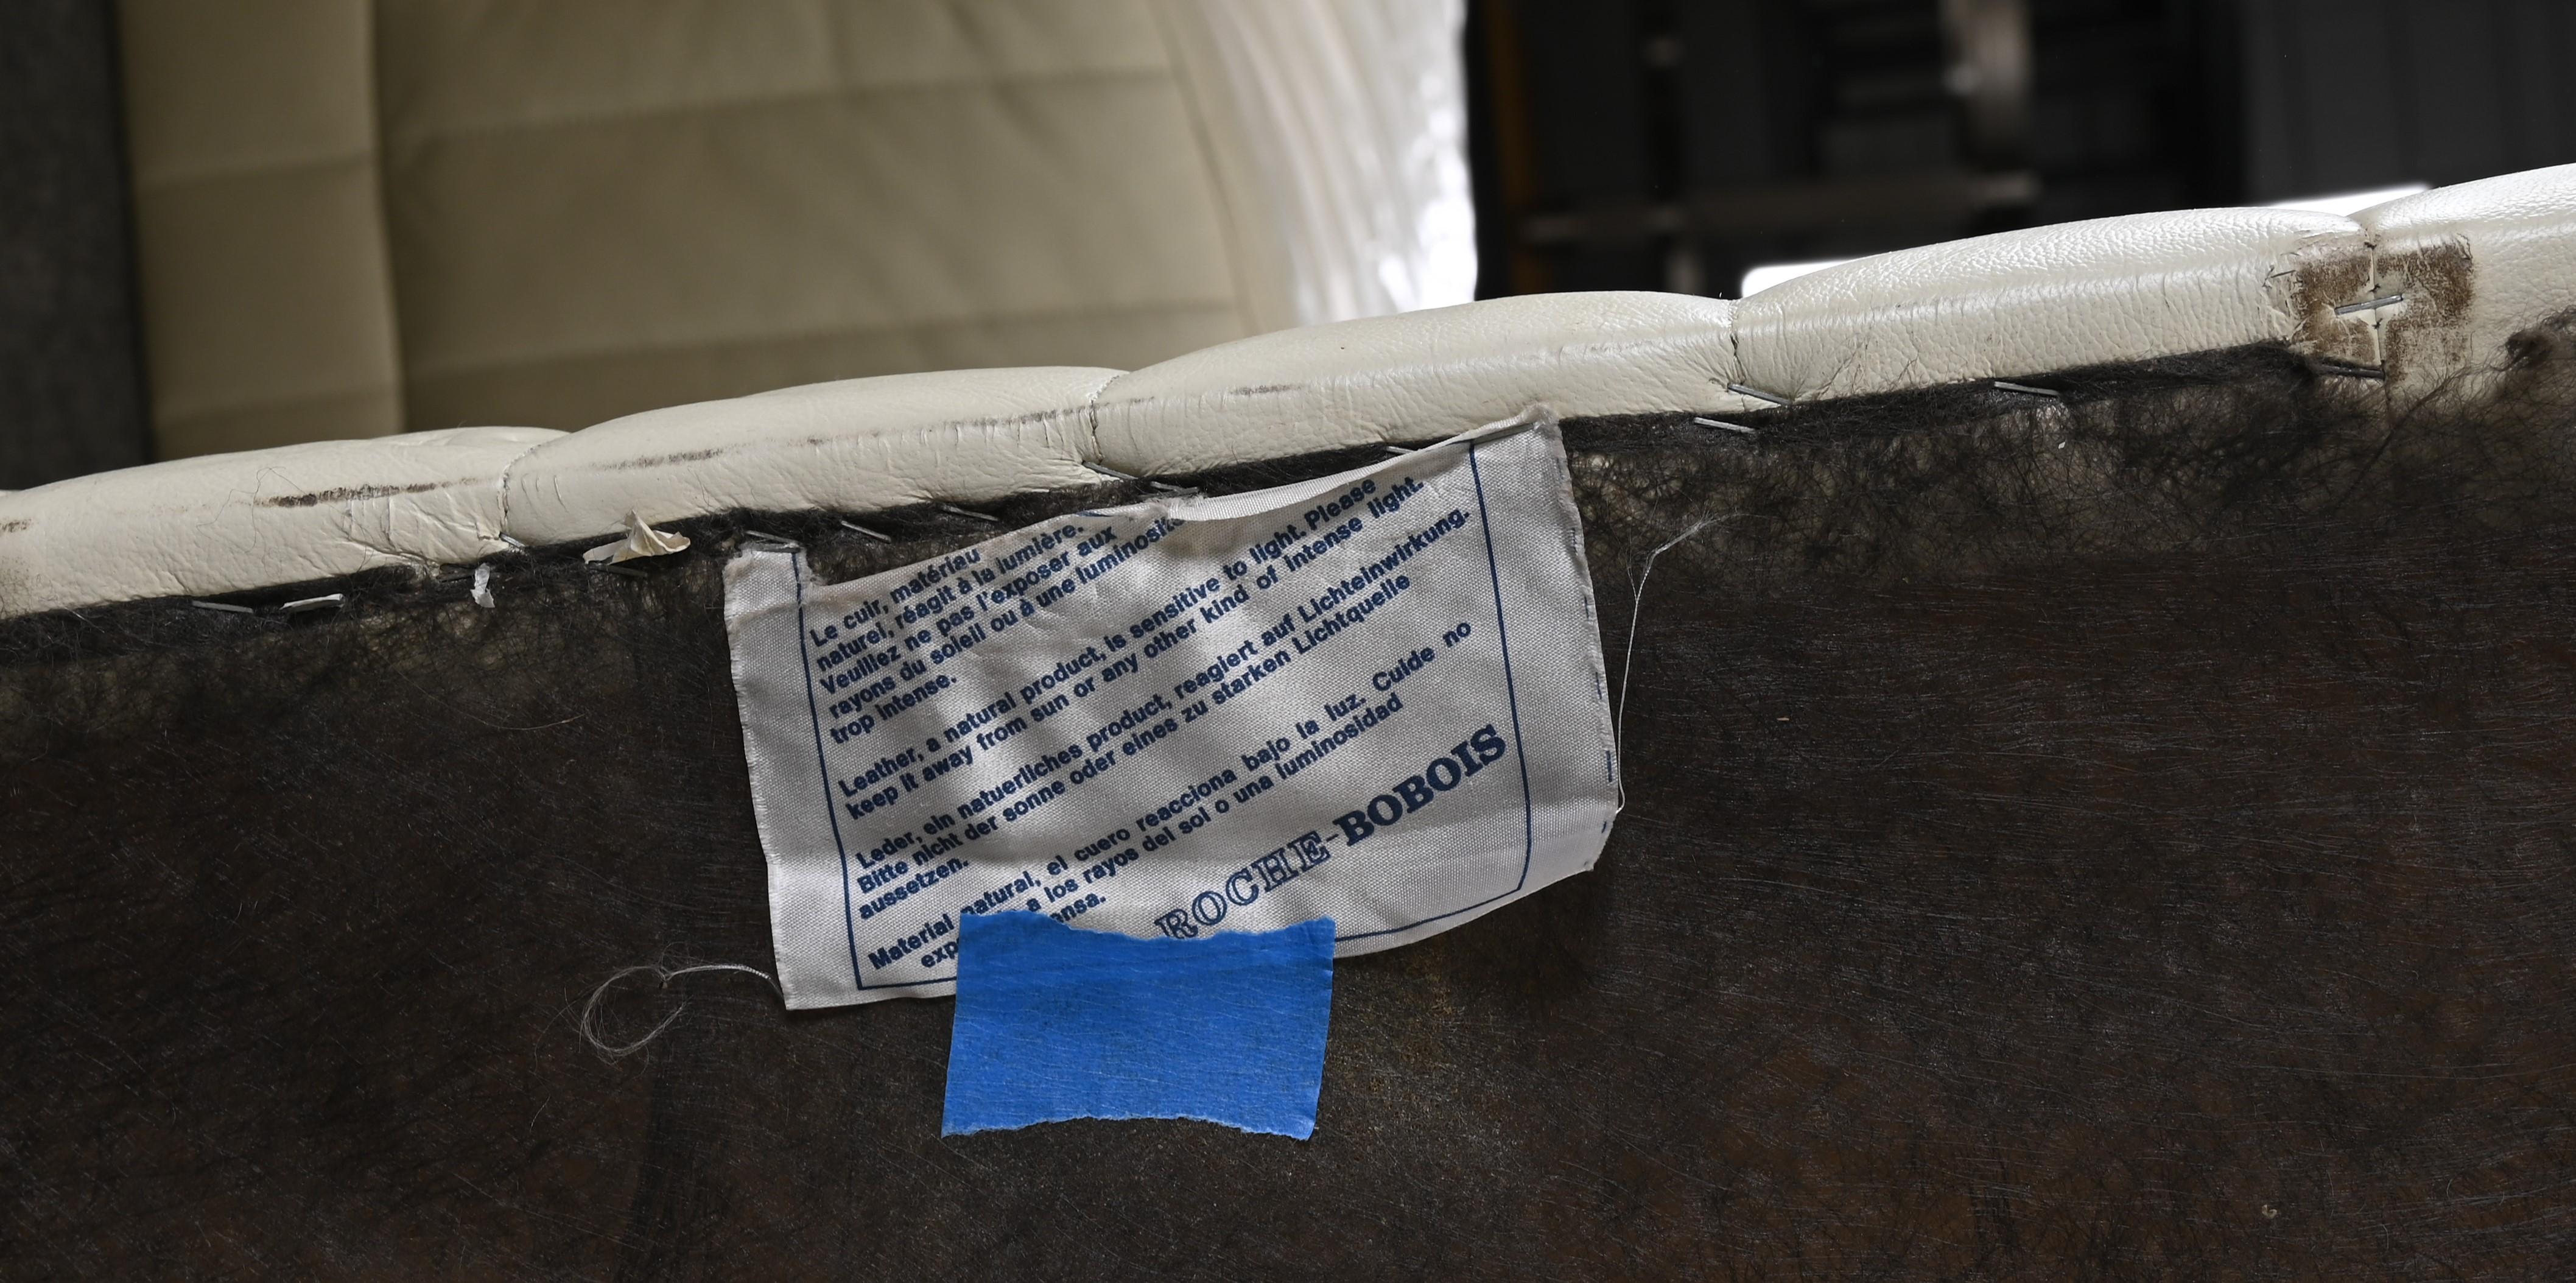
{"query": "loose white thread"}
[(590, 1009), (1628, 661)]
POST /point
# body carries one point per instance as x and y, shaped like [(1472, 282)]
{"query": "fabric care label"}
[(1375, 697)]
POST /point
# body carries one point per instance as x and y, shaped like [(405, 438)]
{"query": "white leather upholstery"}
[(1418, 376), (2046, 298), (2475, 263), (229, 522), (861, 444)]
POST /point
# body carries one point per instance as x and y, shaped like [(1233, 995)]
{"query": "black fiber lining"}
[(2125, 832)]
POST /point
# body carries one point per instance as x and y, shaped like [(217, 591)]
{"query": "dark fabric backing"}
[(2128, 834)]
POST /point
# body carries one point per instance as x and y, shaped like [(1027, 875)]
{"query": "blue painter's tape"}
[(1055, 1023)]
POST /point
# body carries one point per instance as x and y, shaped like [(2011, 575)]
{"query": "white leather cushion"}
[(2042, 299), (231, 522), (2476, 262), (852, 446), (1419, 376)]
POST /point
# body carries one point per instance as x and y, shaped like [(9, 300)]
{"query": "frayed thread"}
[(619, 1051), (1628, 660)]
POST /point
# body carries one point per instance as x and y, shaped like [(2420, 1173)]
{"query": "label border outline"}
[(1511, 695), (823, 767)]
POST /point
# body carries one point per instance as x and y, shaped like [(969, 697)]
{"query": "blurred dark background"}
[(71, 347), (1616, 144), (1675, 144)]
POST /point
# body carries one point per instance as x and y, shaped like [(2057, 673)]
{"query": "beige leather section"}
[(233, 522), (2474, 263), (2047, 298), (1338, 129), (961, 436), (1419, 376), (267, 311), (1262, 262), (599, 206), (259, 425)]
